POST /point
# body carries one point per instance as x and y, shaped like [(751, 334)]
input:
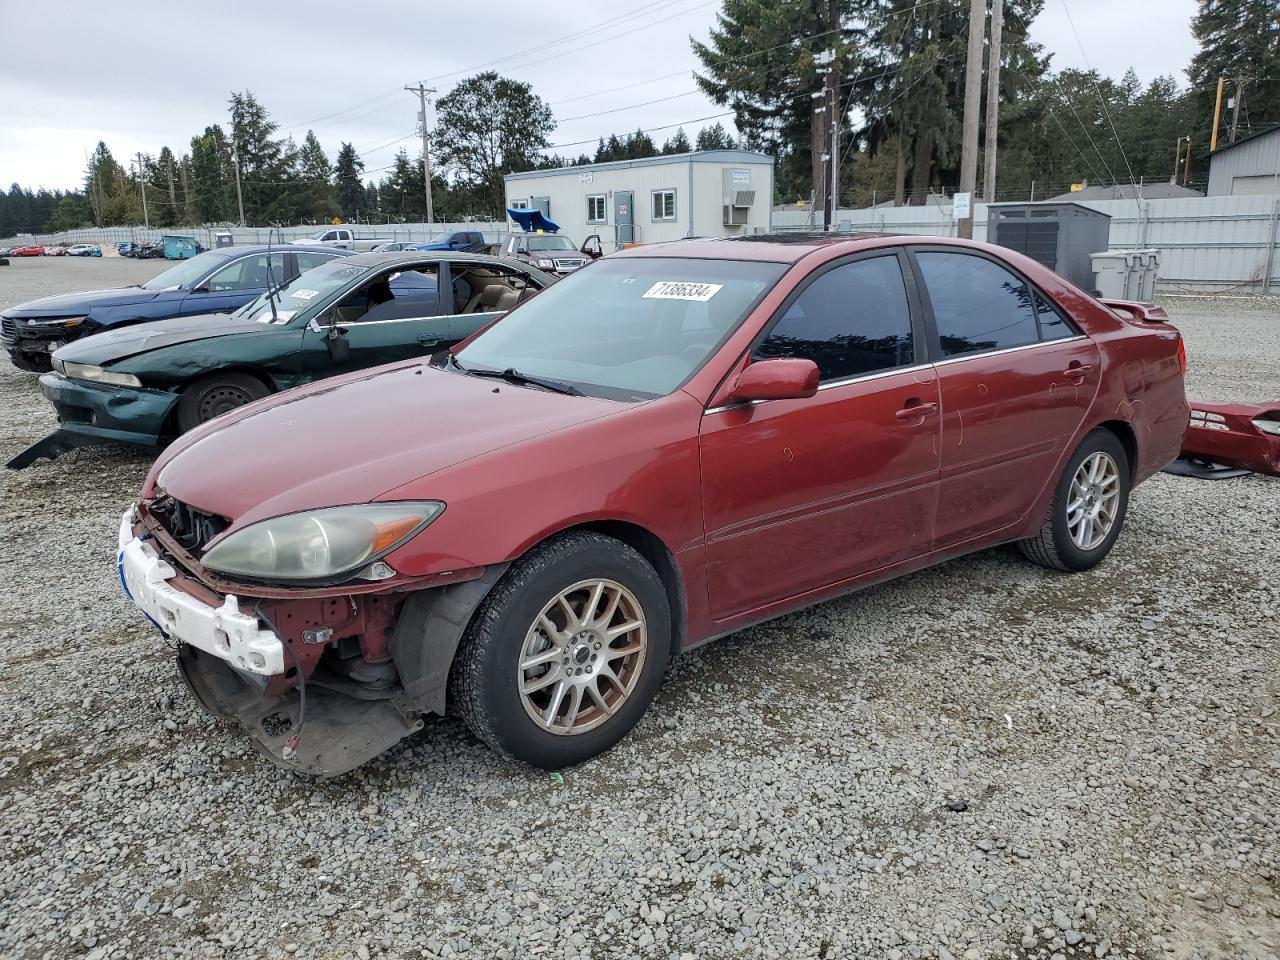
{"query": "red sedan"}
[(679, 442), (32, 250)]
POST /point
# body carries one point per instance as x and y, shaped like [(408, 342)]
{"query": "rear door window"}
[(854, 319), (978, 305)]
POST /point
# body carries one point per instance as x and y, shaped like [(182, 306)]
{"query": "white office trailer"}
[(707, 193)]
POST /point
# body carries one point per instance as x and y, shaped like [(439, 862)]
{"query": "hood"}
[(111, 346), (72, 304), (350, 442)]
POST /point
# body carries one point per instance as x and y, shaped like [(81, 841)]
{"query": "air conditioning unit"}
[(735, 216)]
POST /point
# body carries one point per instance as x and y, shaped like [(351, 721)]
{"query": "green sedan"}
[(146, 384)]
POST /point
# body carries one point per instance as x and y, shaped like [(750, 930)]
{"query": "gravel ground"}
[(981, 760)]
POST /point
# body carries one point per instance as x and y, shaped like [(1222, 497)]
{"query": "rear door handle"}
[(1077, 371), (914, 411)]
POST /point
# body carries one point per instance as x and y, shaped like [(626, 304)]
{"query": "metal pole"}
[(993, 101), (1186, 167), (835, 148), (1217, 114), (1235, 109), (422, 92), (142, 182), (1033, 191), (972, 106), (1177, 159), (1271, 244), (235, 162)]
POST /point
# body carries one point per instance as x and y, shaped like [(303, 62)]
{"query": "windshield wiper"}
[(512, 375)]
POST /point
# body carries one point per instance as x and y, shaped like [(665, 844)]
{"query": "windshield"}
[(627, 329), (184, 274), (551, 243), (304, 292)]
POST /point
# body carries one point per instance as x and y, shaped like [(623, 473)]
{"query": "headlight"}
[(547, 264), (55, 323), (85, 371), (323, 544)]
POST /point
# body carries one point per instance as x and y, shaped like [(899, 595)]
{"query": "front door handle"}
[(1077, 371), (429, 341), (916, 410)]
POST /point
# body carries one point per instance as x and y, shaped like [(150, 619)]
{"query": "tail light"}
[(1182, 354)]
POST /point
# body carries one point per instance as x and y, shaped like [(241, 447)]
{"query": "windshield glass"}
[(551, 243), (184, 274), (305, 292), (626, 329)]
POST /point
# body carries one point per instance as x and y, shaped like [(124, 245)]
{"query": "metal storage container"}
[(1062, 236)]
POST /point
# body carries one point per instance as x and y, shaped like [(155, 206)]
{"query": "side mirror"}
[(203, 288), (339, 346), (787, 378)]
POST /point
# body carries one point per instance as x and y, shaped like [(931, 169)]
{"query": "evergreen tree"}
[(677, 143), (212, 181), (1239, 39), (352, 195), (266, 163), (715, 137), (316, 175)]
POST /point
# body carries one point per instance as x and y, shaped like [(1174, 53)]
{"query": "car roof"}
[(243, 248), (789, 248)]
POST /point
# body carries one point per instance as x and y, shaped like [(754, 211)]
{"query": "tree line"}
[(897, 67)]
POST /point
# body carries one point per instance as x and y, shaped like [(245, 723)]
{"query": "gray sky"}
[(74, 74)]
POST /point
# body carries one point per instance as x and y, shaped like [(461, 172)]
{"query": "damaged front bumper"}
[(90, 413), (321, 680)]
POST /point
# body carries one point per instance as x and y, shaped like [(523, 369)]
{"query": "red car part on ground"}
[(1242, 435), (744, 488)]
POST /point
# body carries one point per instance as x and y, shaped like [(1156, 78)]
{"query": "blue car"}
[(217, 281)]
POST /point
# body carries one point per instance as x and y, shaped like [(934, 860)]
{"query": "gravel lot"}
[(1108, 745)]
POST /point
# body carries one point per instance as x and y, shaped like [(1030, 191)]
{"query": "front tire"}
[(216, 394), (566, 652), (1088, 508)]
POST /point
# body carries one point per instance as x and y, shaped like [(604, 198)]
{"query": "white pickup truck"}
[(343, 237)]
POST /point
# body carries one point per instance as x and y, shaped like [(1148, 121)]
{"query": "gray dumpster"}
[(1059, 235), (1126, 274)]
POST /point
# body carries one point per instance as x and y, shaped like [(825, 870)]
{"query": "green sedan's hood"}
[(111, 346)]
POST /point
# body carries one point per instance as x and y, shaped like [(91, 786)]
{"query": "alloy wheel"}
[(582, 657), (1093, 500)]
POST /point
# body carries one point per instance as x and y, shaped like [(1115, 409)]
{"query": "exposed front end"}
[(307, 671), (31, 341)]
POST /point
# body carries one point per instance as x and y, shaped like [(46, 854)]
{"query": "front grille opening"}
[(191, 528)]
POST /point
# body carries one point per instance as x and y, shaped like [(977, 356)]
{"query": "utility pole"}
[(1186, 167), (1235, 108), (235, 162), (1177, 160), (993, 102), (142, 182), (422, 92), (972, 106), (1217, 114)]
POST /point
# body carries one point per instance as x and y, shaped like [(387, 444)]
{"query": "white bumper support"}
[(222, 631)]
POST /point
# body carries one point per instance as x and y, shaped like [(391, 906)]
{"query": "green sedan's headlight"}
[(323, 544), (85, 371)]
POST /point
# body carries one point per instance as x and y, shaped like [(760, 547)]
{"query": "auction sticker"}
[(682, 290), (303, 295)]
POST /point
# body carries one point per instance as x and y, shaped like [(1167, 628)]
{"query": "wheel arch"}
[(432, 622), (1124, 432)]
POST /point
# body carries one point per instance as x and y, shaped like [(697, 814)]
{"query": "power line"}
[(1106, 112)]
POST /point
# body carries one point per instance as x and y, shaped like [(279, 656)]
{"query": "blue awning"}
[(532, 221)]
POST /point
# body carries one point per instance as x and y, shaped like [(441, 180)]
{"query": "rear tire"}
[(538, 676), (1088, 508), (215, 395)]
